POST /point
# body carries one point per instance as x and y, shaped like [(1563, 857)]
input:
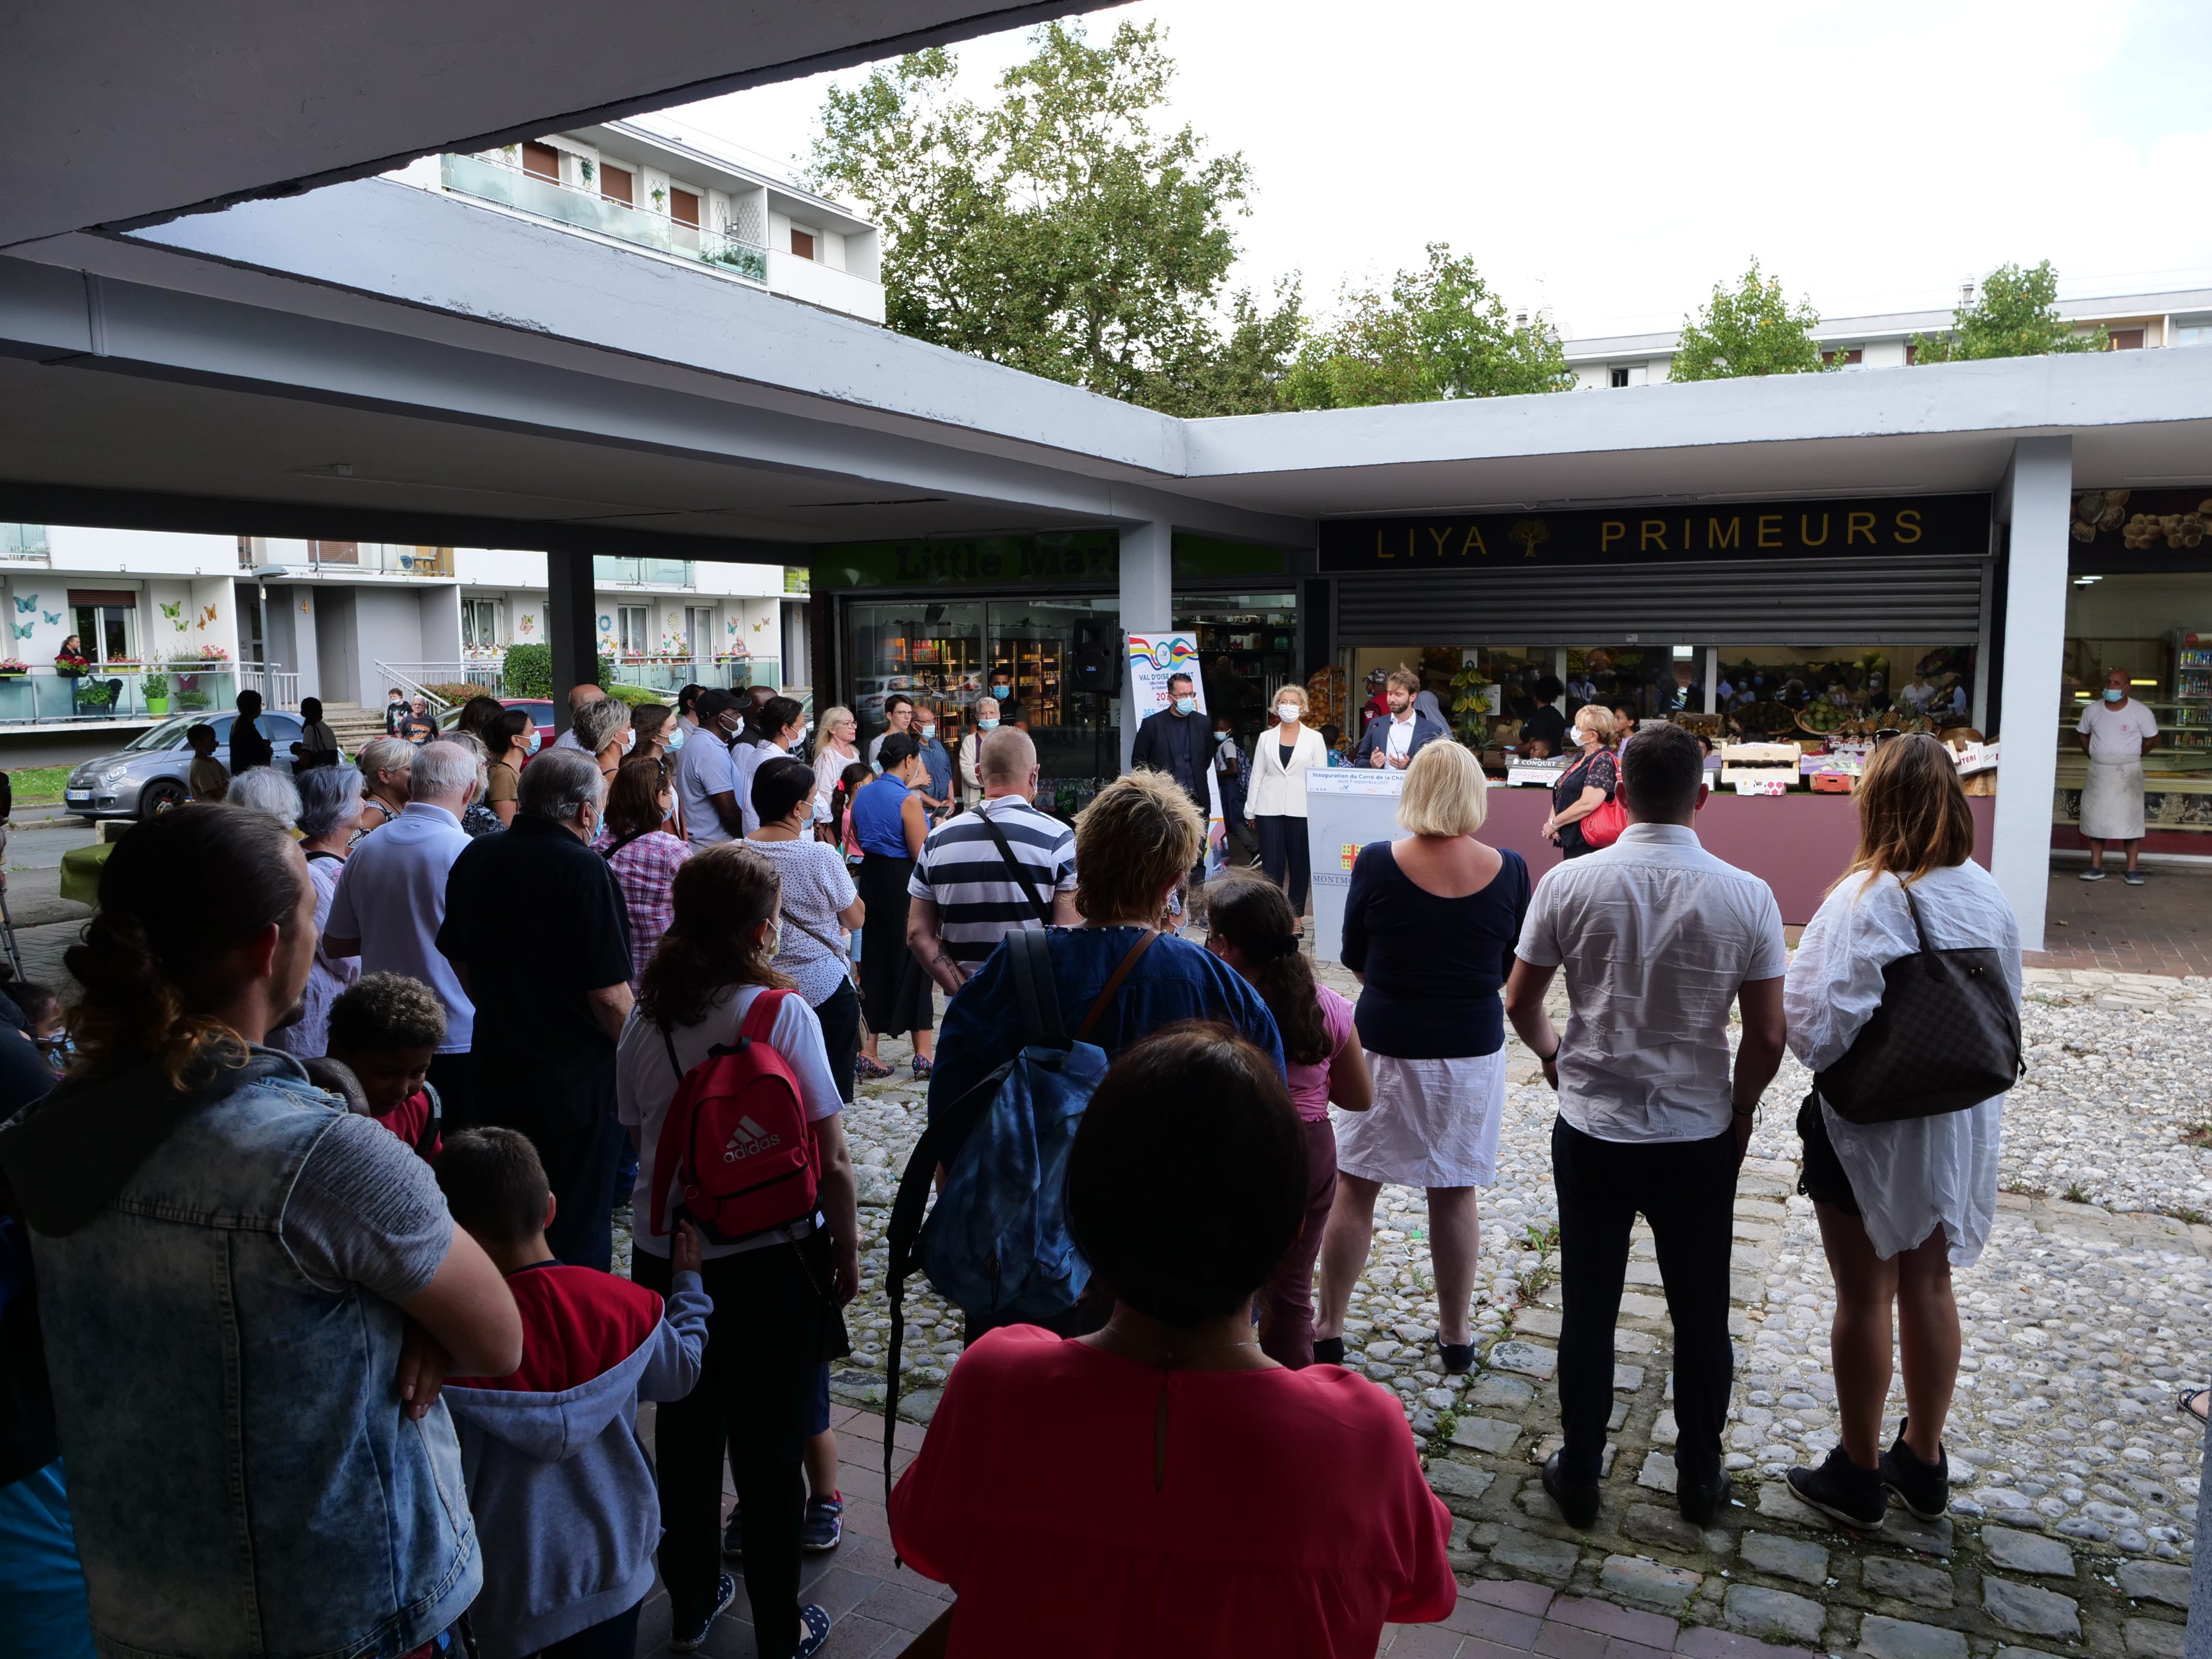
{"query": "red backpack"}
[(736, 1141)]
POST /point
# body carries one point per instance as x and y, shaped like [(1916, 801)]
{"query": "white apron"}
[(2112, 800)]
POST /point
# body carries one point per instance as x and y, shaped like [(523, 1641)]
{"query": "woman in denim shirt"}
[(249, 1294)]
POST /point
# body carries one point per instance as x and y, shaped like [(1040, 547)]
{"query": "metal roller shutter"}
[(1746, 602)]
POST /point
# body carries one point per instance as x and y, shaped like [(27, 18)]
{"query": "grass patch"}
[(2197, 1134), (1545, 1242), (39, 785), (2019, 1189), (2183, 1212), (2075, 1194)]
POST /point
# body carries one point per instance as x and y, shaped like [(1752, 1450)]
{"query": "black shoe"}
[(1579, 1504), (1922, 1488), (1842, 1489), (1458, 1357), (733, 1535), (1701, 1500), (1328, 1350), (689, 1638)]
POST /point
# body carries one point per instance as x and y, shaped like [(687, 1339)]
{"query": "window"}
[(1619, 377), (1851, 358), (2127, 339), (636, 627), (616, 184), (334, 552), (105, 622), (479, 623), (682, 206), (699, 630), (1628, 374), (542, 160), (2199, 333), (802, 242)]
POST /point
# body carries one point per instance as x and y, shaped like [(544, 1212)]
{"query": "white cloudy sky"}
[(1612, 159)]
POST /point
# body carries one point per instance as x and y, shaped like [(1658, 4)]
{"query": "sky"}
[(1611, 161)]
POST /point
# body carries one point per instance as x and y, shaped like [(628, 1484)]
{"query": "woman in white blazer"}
[(1276, 803)]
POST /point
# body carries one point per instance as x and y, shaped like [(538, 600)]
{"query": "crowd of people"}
[(357, 1093)]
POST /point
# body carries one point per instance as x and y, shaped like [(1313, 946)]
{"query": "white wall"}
[(73, 547), (817, 284)]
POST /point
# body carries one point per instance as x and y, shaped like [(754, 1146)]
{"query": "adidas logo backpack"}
[(736, 1145)]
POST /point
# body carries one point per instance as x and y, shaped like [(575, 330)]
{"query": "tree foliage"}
[(1057, 228), (1752, 330), (1239, 370), (2013, 314), (1439, 332)]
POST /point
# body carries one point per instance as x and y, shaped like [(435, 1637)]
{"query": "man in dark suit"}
[(1394, 738), (1178, 742)]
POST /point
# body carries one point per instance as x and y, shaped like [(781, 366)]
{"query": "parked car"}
[(146, 775)]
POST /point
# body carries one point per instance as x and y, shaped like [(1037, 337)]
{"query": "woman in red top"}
[(1161, 1486)]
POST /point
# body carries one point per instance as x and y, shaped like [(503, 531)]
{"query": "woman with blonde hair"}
[(1277, 800), (1585, 786), (1899, 1204), (385, 764), (836, 746), (1430, 924)]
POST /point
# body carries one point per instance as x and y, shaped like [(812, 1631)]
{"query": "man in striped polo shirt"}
[(967, 897)]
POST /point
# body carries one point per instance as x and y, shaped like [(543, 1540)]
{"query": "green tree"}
[(1239, 372), (1056, 228), (1752, 330), (2012, 315), (1438, 333)]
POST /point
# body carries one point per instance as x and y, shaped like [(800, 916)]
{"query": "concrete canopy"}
[(126, 112)]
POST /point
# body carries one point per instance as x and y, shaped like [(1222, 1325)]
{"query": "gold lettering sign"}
[(1770, 530), (1908, 525), (1715, 537), (1856, 524)]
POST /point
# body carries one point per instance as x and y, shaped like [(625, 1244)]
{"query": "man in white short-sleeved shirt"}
[(1658, 939), (2116, 731), (706, 777)]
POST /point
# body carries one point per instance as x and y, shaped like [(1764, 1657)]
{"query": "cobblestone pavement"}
[(2074, 1478)]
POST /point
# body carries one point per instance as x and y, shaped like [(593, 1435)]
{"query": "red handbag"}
[(1602, 826)]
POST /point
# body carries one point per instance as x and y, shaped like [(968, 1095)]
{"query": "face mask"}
[(669, 810), (1186, 705), (1584, 736), (986, 725), (925, 733), (530, 743), (2113, 693), (775, 939), (675, 739), (629, 741), (1223, 737), (1287, 713)]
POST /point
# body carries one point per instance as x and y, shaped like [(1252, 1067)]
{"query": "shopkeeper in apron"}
[(2116, 733)]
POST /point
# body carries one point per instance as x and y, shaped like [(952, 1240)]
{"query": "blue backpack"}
[(997, 1242)]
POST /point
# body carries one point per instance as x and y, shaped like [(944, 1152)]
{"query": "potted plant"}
[(92, 694), (155, 688), (13, 668)]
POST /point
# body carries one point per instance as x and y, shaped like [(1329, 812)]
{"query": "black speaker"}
[(1097, 665)]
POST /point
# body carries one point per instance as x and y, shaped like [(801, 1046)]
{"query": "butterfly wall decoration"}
[(24, 607), (22, 630), (53, 618), (175, 613)]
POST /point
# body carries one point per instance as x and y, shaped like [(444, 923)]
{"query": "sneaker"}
[(1577, 1503), (1922, 1488), (733, 1535), (2133, 878), (1701, 1500), (817, 1625), (2092, 874), (823, 1525), (1840, 1488), (690, 1638)]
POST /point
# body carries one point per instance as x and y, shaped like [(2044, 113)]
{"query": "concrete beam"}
[(572, 627)]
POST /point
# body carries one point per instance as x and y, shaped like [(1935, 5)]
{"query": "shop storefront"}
[(2140, 600), (1813, 623), (1037, 617)]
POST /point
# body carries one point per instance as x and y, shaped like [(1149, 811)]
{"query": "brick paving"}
[(2163, 926)]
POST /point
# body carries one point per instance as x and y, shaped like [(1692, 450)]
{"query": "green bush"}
[(635, 695), (528, 671)]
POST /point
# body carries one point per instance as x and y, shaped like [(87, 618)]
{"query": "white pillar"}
[(1147, 603), (2034, 501)]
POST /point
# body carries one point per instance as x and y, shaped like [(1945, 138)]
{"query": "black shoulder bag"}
[(1946, 1036), (1018, 869)]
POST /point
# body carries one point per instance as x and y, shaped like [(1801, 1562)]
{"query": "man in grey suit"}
[(1393, 739)]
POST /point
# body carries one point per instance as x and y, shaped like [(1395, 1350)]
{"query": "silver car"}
[(147, 775)]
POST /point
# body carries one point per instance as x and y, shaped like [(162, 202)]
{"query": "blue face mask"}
[(2113, 693), (986, 725), (1186, 705), (530, 743), (675, 739)]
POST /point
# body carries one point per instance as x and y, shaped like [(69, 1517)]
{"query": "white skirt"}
[(1434, 1122), (2112, 800)]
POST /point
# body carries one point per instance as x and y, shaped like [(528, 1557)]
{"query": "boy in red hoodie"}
[(566, 1507), (384, 1029)]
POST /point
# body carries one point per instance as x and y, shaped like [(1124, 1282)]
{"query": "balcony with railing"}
[(363, 558), (24, 544), (546, 198), (124, 693), (618, 570)]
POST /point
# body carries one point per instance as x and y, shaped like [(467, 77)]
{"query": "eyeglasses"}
[(1886, 734)]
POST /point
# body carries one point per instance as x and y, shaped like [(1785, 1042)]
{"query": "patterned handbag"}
[(1946, 1036)]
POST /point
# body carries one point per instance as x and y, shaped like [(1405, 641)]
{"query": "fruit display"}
[(2177, 529), (2098, 509), (1819, 718), (1325, 698), (2165, 517)]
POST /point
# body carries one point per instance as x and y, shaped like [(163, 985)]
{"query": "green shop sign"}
[(1087, 557)]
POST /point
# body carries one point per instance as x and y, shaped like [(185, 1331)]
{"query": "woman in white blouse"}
[(1899, 1204), (1276, 800)]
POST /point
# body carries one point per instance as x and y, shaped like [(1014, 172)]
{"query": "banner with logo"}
[(1152, 658)]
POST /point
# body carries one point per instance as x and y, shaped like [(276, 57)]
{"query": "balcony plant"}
[(154, 687), (92, 694), (12, 668)]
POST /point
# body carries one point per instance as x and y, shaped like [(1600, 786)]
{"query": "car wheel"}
[(160, 796)]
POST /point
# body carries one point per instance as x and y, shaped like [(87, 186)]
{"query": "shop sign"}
[(1088, 556), (1154, 659), (1880, 527)]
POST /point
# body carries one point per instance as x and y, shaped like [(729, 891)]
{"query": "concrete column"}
[(1147, 604), (2033, 500), (572, 627)]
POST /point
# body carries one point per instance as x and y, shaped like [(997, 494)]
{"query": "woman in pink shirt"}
[(1161, 1486), (1250, 926)]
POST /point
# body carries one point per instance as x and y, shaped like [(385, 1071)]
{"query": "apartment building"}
[(684, 199), (2131, 322)]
